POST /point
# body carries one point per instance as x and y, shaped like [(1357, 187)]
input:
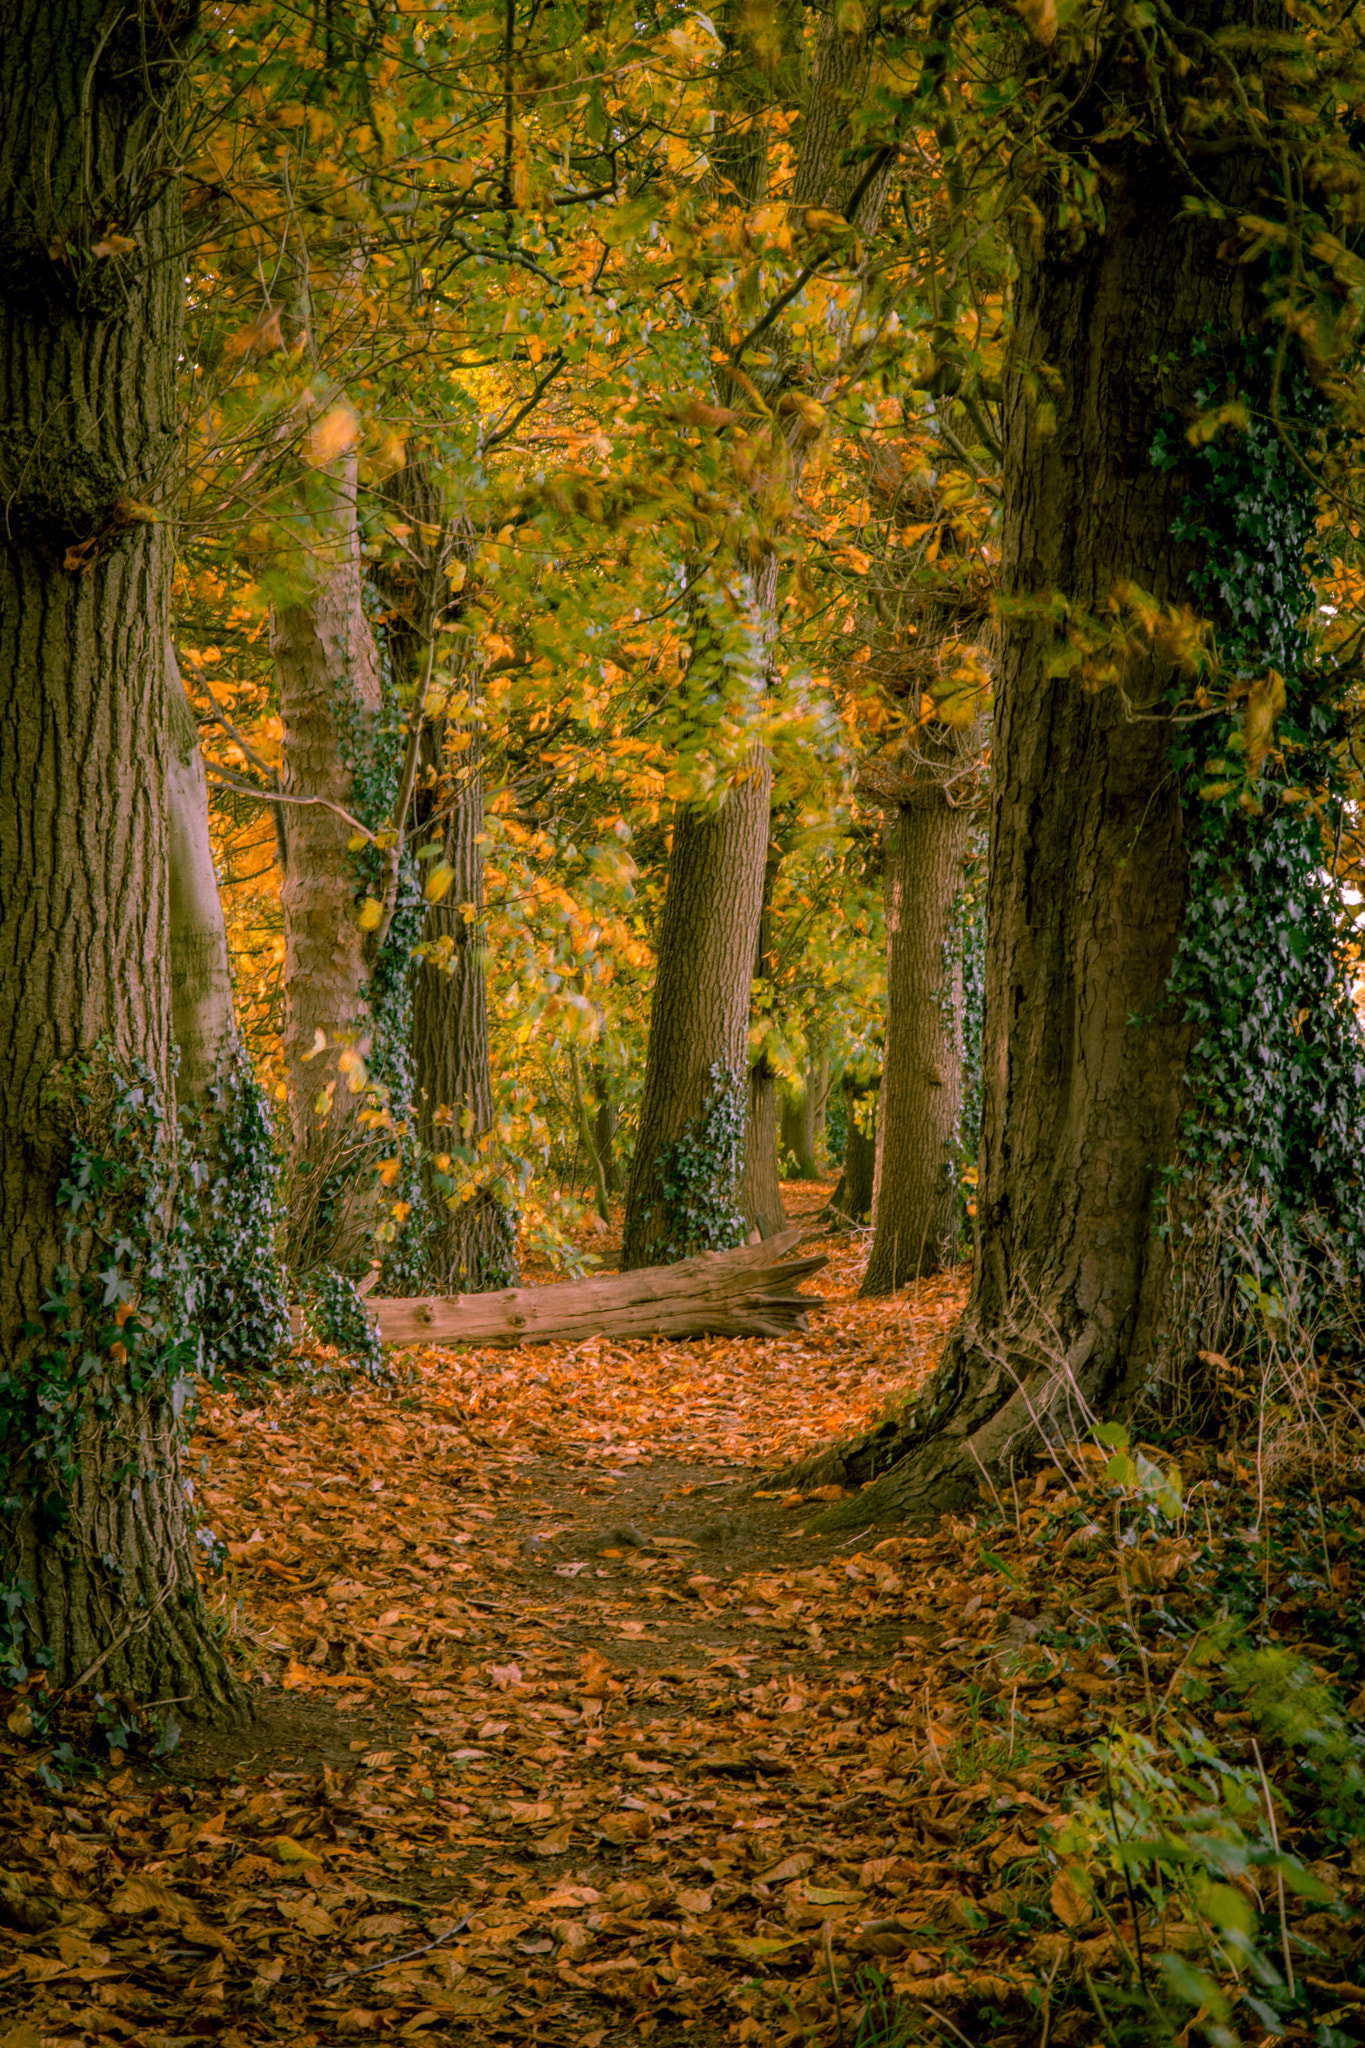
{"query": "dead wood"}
[(751, 1292)]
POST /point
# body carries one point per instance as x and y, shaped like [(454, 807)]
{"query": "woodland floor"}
[(567, 1734)]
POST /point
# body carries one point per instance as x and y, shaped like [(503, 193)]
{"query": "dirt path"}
[(570, 1731)]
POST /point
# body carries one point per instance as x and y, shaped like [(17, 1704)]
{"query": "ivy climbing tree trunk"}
[(329, 683), (95, 1530), (914, 1197), (1085, 1055)]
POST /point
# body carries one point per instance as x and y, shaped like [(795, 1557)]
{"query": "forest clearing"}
[(682, 1022), (573, 1726)]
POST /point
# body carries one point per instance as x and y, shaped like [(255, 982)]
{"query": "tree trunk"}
[(101, 1553), (604, 1128), (760, 1188), (798, 1129), (851, 1202), (760, 1180), (243, 1306), (696, 1035), (329, 700), (694, 1101), (914, 1199), (748, 1292), (1085, 1055), (202, 1013), (473, 1246)]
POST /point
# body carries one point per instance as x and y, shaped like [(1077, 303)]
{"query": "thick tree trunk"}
[(749, 1292), (103, 1558), (695, 1066), (329, 700), (1085, 1055), (851, 1202), (914, 1200)]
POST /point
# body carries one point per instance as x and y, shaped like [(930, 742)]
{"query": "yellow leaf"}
[(334, 433), (371, 914), (1040, 19), (389, 1170), (1069, 1901), (319, 1045), (820, 221), (287, 1850), (439, 881)]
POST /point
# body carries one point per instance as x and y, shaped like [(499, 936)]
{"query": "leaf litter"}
[(568, 1731)]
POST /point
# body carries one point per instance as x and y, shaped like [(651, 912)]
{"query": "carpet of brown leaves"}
[(565, 1735)]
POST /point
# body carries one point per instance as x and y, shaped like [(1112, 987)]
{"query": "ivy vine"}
[(699, 1173), (120, 1318), (244, 1310), (1276, 1073)]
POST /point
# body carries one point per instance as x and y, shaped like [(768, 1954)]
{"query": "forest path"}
[(570, 1731)]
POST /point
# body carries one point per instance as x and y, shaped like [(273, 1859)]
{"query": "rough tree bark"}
[(914, 1197), (749, 1292), (1085, 1055), (90, 102), (329, 699), (698, 1020), (760, 1182)]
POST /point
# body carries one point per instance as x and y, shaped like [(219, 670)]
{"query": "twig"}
[(779, 305), (504, 433), (828, 1946), (1279, 1874), (369, 1969), (1127, 1879), (135, 1627), (1138, 1643), (220, 717), (942, 2019), (933, 1746), (227, 780), (990, 1482)]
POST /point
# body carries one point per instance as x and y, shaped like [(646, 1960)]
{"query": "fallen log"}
[(751, 1292)]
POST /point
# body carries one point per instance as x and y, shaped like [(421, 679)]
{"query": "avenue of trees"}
[(593, 599)]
